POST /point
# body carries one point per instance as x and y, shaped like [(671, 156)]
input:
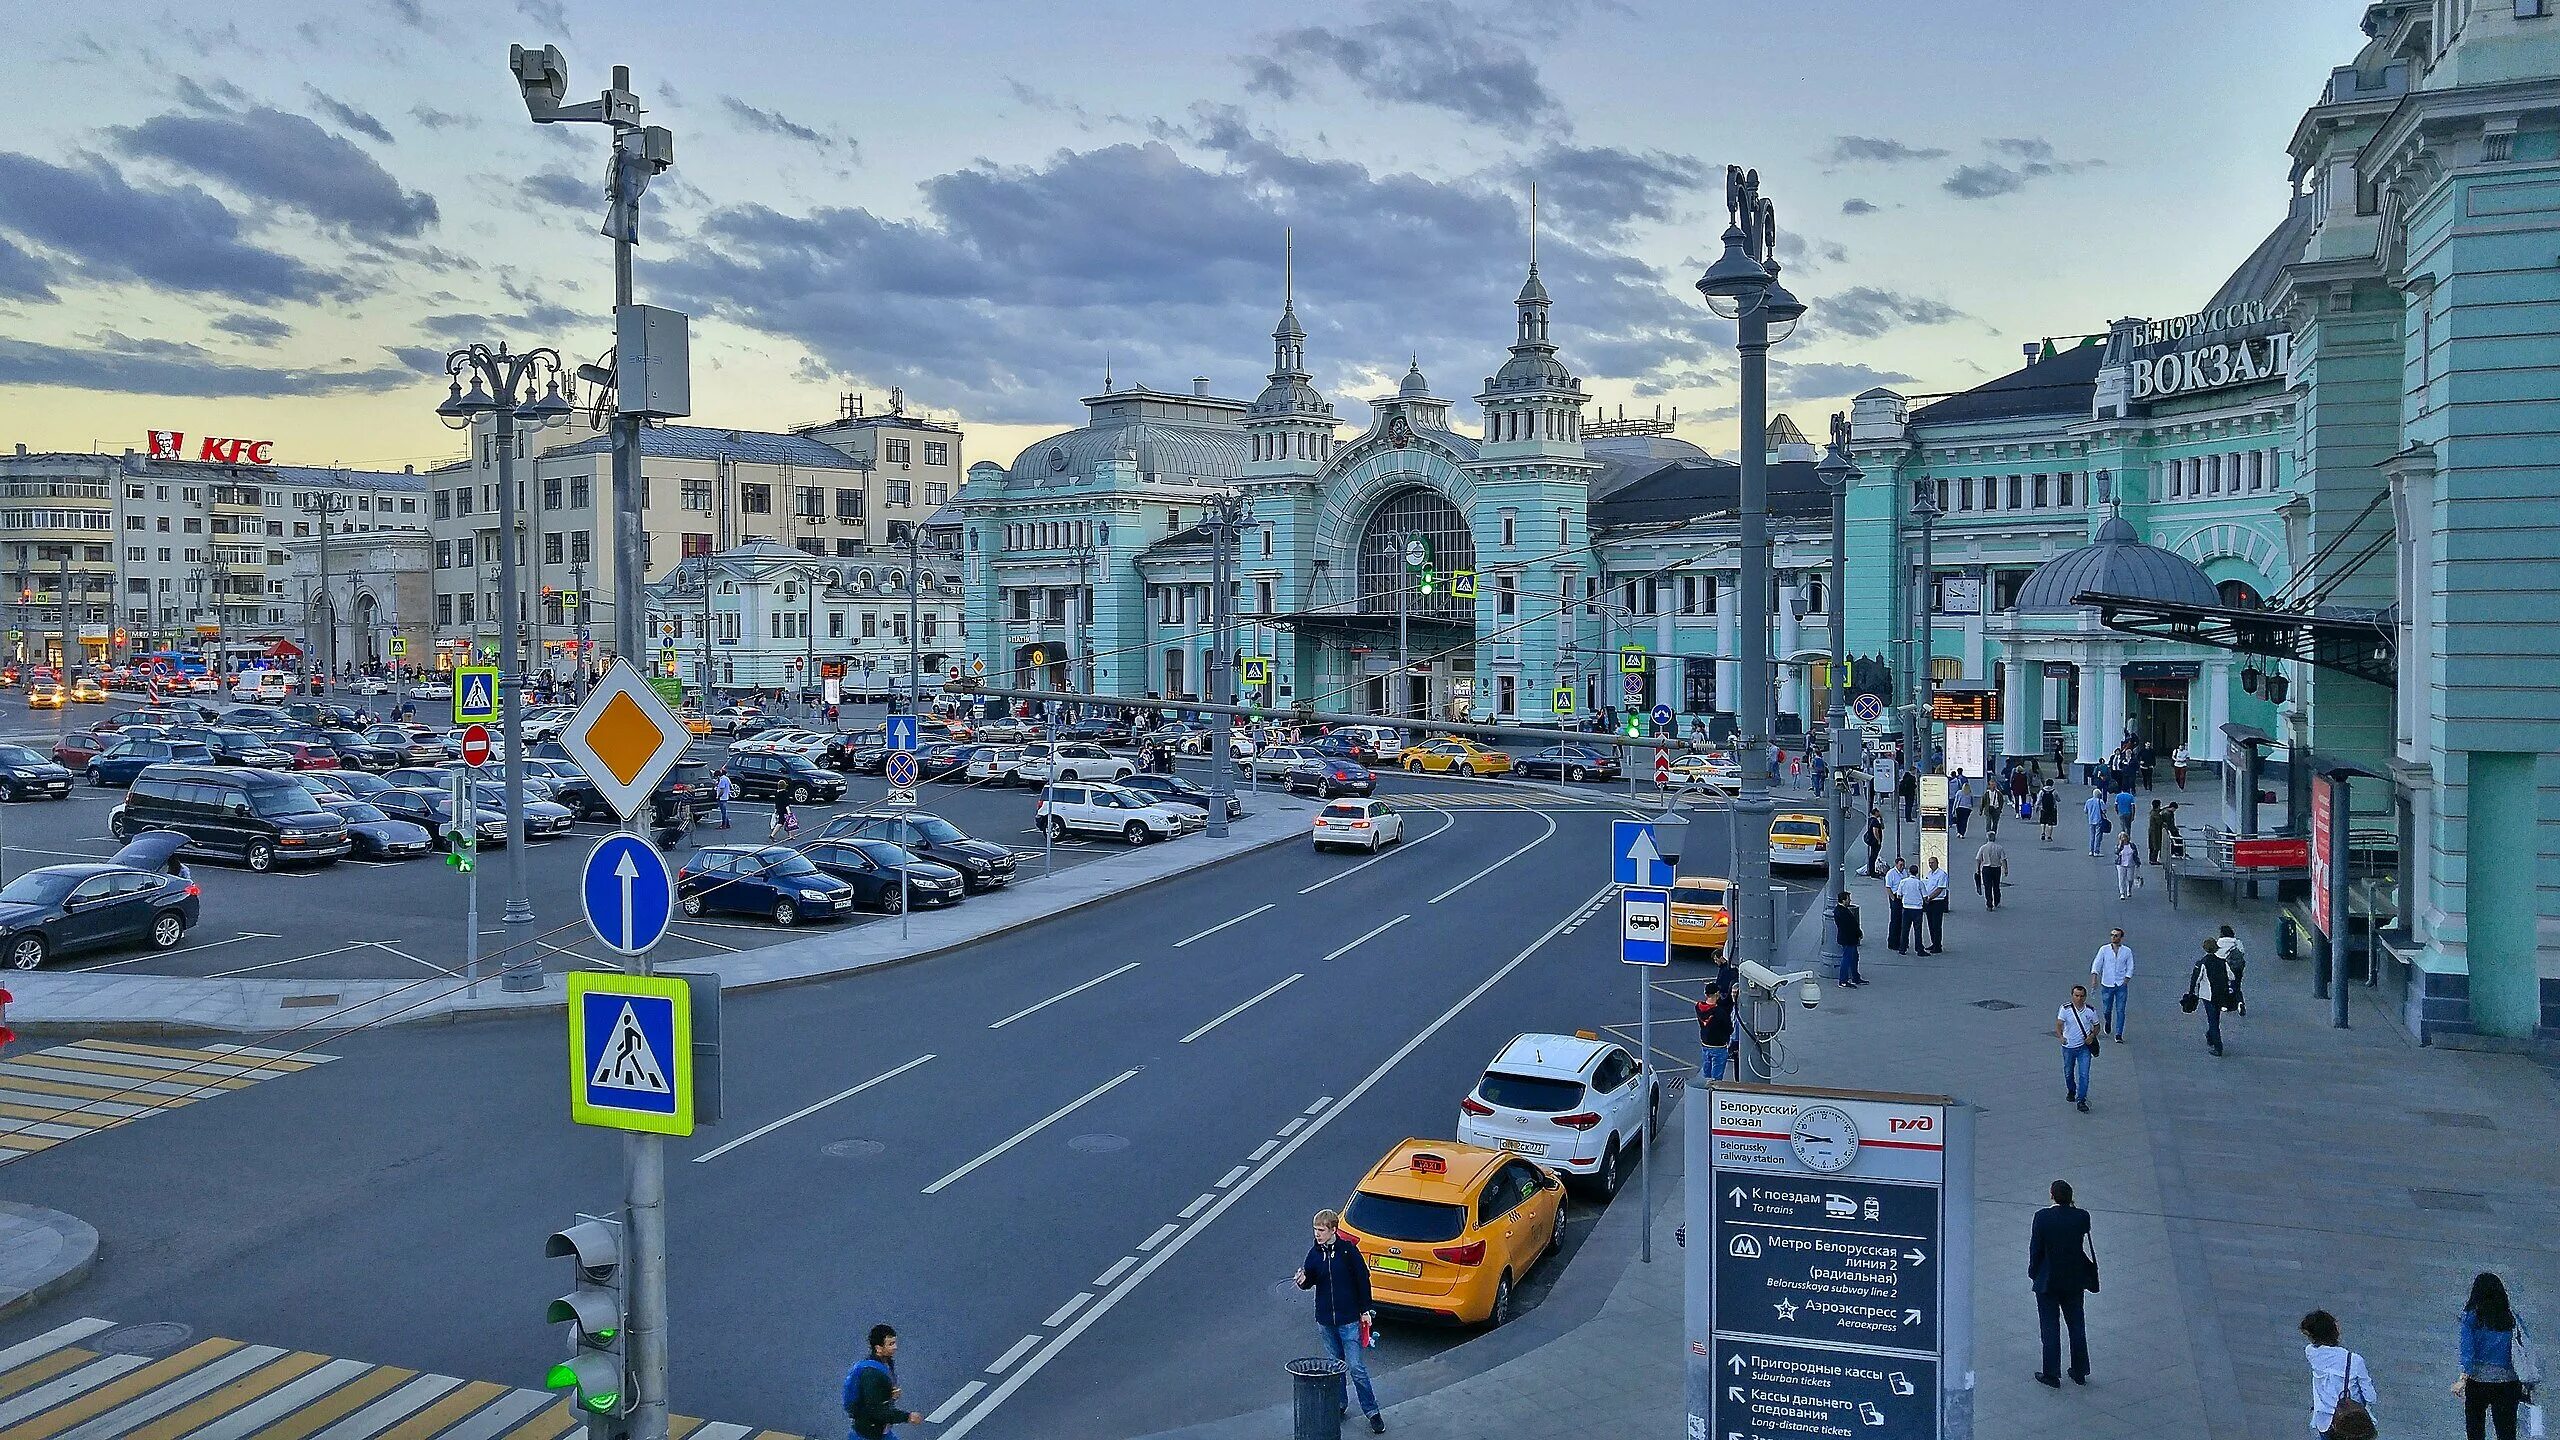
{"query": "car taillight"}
[(1471, 1253), (1473, 1106), (193, 892), (1579, 1120), (1359, 824)]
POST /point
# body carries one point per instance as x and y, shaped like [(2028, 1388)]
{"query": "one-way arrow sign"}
[(1638, 860)]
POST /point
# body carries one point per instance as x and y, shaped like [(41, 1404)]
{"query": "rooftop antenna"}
[(1533, 224), (1288, 267), (1106, 372)]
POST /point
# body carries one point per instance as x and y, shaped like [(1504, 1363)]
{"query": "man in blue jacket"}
[(871, 1391), (1334, 1270)]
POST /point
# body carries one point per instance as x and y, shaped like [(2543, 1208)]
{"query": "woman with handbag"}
[(2341, 1386), (2499, 1368), (2209, 986)]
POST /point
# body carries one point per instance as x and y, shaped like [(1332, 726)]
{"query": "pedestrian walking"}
[(1715, 1033), (2048, 813), (723, 789), (1933, 906), (2341, 1387), (1990, 867), (2095, 807), (2078, 1027), (1846, 927), (2111, 970), (1908, 788), (2499, 1368), (2235, 958), (785, 823), (2125, 803), (1344, 1312), (2178, 766), (1875, 838), (1960, 801), (2156, 828), (871, 1391), (2209, 986), (2128, 867), (1992, 808), (2062, 1265)]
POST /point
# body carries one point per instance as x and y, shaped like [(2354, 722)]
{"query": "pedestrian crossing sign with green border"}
[(631, 1052), (1257, 669), (475, 694), (1564, 701)]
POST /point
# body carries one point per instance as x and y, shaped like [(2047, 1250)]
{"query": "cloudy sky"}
[(271, 220)]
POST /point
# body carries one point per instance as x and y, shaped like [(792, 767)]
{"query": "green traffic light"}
[(605, 1404), (563, 1376)]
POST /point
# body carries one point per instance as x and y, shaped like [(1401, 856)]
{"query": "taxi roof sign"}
[(1426, 1163), (625, 738)]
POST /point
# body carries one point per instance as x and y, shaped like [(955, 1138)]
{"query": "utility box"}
[(652, 361)]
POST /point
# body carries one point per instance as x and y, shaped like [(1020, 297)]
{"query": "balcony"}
[(235, 500)]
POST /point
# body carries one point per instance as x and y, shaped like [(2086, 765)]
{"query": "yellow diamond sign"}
[(625, 739)]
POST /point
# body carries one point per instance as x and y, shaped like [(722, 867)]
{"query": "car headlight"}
[(981, 866)]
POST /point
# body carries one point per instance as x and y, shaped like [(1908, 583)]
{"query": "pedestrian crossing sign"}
[(631, 1052), (1257, 669), (475, 695), (399, 646)]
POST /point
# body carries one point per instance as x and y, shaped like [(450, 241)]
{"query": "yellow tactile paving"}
[(63, 1116), (56, 1060)]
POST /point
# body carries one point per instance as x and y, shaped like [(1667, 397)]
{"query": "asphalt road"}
[(1073, 1164)]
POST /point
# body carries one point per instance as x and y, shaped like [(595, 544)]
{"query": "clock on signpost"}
[(1825, 1138)]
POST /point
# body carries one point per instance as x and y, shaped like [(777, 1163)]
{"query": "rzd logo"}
[(1900, 1123)]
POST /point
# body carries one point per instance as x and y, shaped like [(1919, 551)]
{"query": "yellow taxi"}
[(87, 688), (1449, 1230), (44, 695), (1798, 839), (695, 722), (1701, 913), (1449, 754)]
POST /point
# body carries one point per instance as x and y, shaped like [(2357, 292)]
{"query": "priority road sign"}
[(475, 745), (625, 738), (900, 770), (628, 894), (1636, 860), (631, 1052), (1867, 706), (475, 695), (901, 732), (1644, 926)]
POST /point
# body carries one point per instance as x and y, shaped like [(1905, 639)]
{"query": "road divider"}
[(805, 1111), (1062, 995)]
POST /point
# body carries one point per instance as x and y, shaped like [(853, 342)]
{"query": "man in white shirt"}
[(1910, 901), (2111, 970), (2078, 1027), (1898, 936), (1933, 907)]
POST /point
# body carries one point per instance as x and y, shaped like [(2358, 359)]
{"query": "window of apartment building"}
[(1510, 529), (581, 547), (809, 502), (578, 491), (301, 531), (2044, 491), (755, 499), (936, 493), (468, 604), (811, 545), (848, 504), (133, 552), (133, 492), (552, 549), (551, 492), (408, 504), (932, 628), (1941, 486), (2017, 492), (901, 453), (191, 494), (164, 554), (2064, 485), (462, 501), (162, 525), (444, 554), (1506, 596), (901, 492), (870, 625), (133, 522), (936, 452), (897, 624), (694, 495), (847, 549), (695, 544), (1564, 528), (1172, 521)]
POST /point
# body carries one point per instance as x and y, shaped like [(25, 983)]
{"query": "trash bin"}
[(1316, 1398)]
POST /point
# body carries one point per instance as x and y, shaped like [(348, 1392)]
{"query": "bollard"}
[(1316, 1398)]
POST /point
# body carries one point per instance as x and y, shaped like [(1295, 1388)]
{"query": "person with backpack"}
[(1715, 1033), (871, 1390), (785, 823), (2499, 1368), (2235, 958), (2341, 1387), (2209, 985), (2048, 813)]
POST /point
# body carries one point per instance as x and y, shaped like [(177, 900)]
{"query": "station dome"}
[(2117, 562)]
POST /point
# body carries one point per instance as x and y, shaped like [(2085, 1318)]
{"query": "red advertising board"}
[(2279, 853), (2321, 788)]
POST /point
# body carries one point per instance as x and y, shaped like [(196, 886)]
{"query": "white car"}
[(202, 684), (1198, 743), (1110, 810), (1579, 1106), (257, 685), (1385, 742), (432, 690), (1367, 823), (544, 723), (1071, 760), (993, 764), (371, 685), (729, 719), (1276, 761), (786, 741)]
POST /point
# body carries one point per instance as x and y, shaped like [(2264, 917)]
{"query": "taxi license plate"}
[(1524, 1147), (1395, 1265)]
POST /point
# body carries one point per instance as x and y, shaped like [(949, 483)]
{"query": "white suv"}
[(1110, 810), (1073, 760), (1576, 1104), (994, 764)]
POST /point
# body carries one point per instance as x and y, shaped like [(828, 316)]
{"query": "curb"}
[(79, 1241)]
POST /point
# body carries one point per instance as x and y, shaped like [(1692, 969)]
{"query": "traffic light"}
[(594, 1375), (1429, 579), (1635, 727)]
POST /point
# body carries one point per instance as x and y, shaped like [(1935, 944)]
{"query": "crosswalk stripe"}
[(332, 1405), (57, 1338), (122, 1388), (264, 1054), (18, 1091), (252, 1419), (56, 1115), (98, 1371), (162, 1399), (370, 1420), (89, 1083), (268, 1060), (58, 1060), (680, 1426), (26, 1144), (722, 1430), (502, 1413), (264, 1381), (41, 1129), (548, 1425), (452, 1407), (42, 1368), (159, 1067)]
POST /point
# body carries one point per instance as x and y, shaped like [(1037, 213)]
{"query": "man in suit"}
[(2062, 1268)]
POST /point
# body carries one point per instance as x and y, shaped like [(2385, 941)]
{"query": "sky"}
[(272, 221)]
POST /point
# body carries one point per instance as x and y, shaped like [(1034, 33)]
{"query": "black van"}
[(257, 815)]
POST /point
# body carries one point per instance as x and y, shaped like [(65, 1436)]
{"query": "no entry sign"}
[(475, 745)]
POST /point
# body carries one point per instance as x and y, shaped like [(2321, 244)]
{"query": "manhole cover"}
[(1099, 1144), (1995, 1005), (158, 1337), (852, 1149)]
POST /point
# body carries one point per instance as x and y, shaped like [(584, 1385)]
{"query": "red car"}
[(77, 748), (308, 754)]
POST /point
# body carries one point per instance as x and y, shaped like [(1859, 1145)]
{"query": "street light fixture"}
[(1924, 508)]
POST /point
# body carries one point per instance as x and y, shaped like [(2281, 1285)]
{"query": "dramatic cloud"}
[(536, 325), (434, 119), (559, 187), (256, 329), (178, 238), (425, 359), (1598, 191), (121, 364), (1870, 150), (287, 160), (347, 115), (2034, 160), (1426, 52), (1867, 312), (23, 276), (1856, 206), (1825, 380), (774, 122)]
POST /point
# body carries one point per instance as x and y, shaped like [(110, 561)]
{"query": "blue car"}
[(774, 881), (119, 763)]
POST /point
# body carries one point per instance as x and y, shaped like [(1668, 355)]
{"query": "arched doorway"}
[(368, 611), (1435, 629)]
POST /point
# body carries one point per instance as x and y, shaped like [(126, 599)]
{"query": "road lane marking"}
[(1401, 847), (1020, 1348), (1365, 939), (1231, 1177), (1321, 1102), (1221, 925), (1118, 1268), (1498, 864), (150, 955), (807, 1110), (1163, 1233), (958, 1398), (1034, 1128), (1262, 1150), (1061, 995), (1059, 1316), (1137, 1277), (1240, 1009), (1289, 1129), (1204, 1202)]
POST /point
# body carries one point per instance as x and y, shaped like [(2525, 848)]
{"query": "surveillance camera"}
[(543, 76), (1811, 994), (1761, 977)]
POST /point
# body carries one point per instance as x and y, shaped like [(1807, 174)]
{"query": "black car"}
[(432, 811), (63, 909), (985, 866), (1098, 732), (260, 816), (24, 774), (934, 762), (795, 778), (769, 880), (569, 786), (863, 754), (1328, 777), (874, 869), (1567, 762), (376, 834), (234, 746), (686, 783), (1174, 790)]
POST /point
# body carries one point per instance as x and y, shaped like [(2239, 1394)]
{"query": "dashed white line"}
[(1062, 995), (1221, 925), (1196, 1206), (1321, 1102), (1034, 1128), (1118, 1268), (1240, 1009), (1005, 1361), (1231, 1177), (1265, 1148), (1292, 1127), (1401, 846), (807, 1110), (1498, 864), (959, 1397), (1365, 939), (1059, 1316), (1163, 1233)]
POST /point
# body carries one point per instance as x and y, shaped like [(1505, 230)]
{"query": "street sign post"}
[(625, 738), (900, 731), (1644, 926), (475, 694), (629, 896), (1636, 859), (631, 1052), (1829, 1269), (900, 769), (1662, 716), (475, 745), (1868, 706)]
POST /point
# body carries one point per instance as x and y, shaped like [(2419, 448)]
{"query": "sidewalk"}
[(42, 1254), (2350, 1170), (122, 1003)]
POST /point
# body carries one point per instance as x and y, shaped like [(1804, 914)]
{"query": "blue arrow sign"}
[(1662, 716), (1644, 926), (1634, 856), (629, 895), (902, 732)]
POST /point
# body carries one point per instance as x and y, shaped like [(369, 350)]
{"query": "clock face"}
[(1416, 554), (1825, 1138)]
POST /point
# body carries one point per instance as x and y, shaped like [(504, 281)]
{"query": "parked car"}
[(24, 774), (546, 722), (1071, 760), (796, 778), (1449, 754), (874, 869), (543, 819), (569, 786), (120, 762), (1365, 824), (1453, 1229), (1568, 762), (77, 748), (1110, 810), (737, 719), (235, 747), (1276, 761), (770, 880), (1098, 732), (376, 834), (1343, 745), (987, 866), (309, 754), (1174, 790), (855, 754), (995, 764), (259, 816), (431, 690), (263, 685), (1579, 1106), (1385, 742), (1325, 778), (939, 762), (433, 812), (65, 909), (413, 747)]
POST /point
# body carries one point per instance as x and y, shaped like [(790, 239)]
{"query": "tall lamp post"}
[(1924, 621), (1838, 473), (502, 388), (1743, 286)]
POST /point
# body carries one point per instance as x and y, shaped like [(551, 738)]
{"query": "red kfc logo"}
[(165, 444), (171, 445)]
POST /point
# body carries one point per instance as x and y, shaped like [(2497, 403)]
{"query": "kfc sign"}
[(172, 445)]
